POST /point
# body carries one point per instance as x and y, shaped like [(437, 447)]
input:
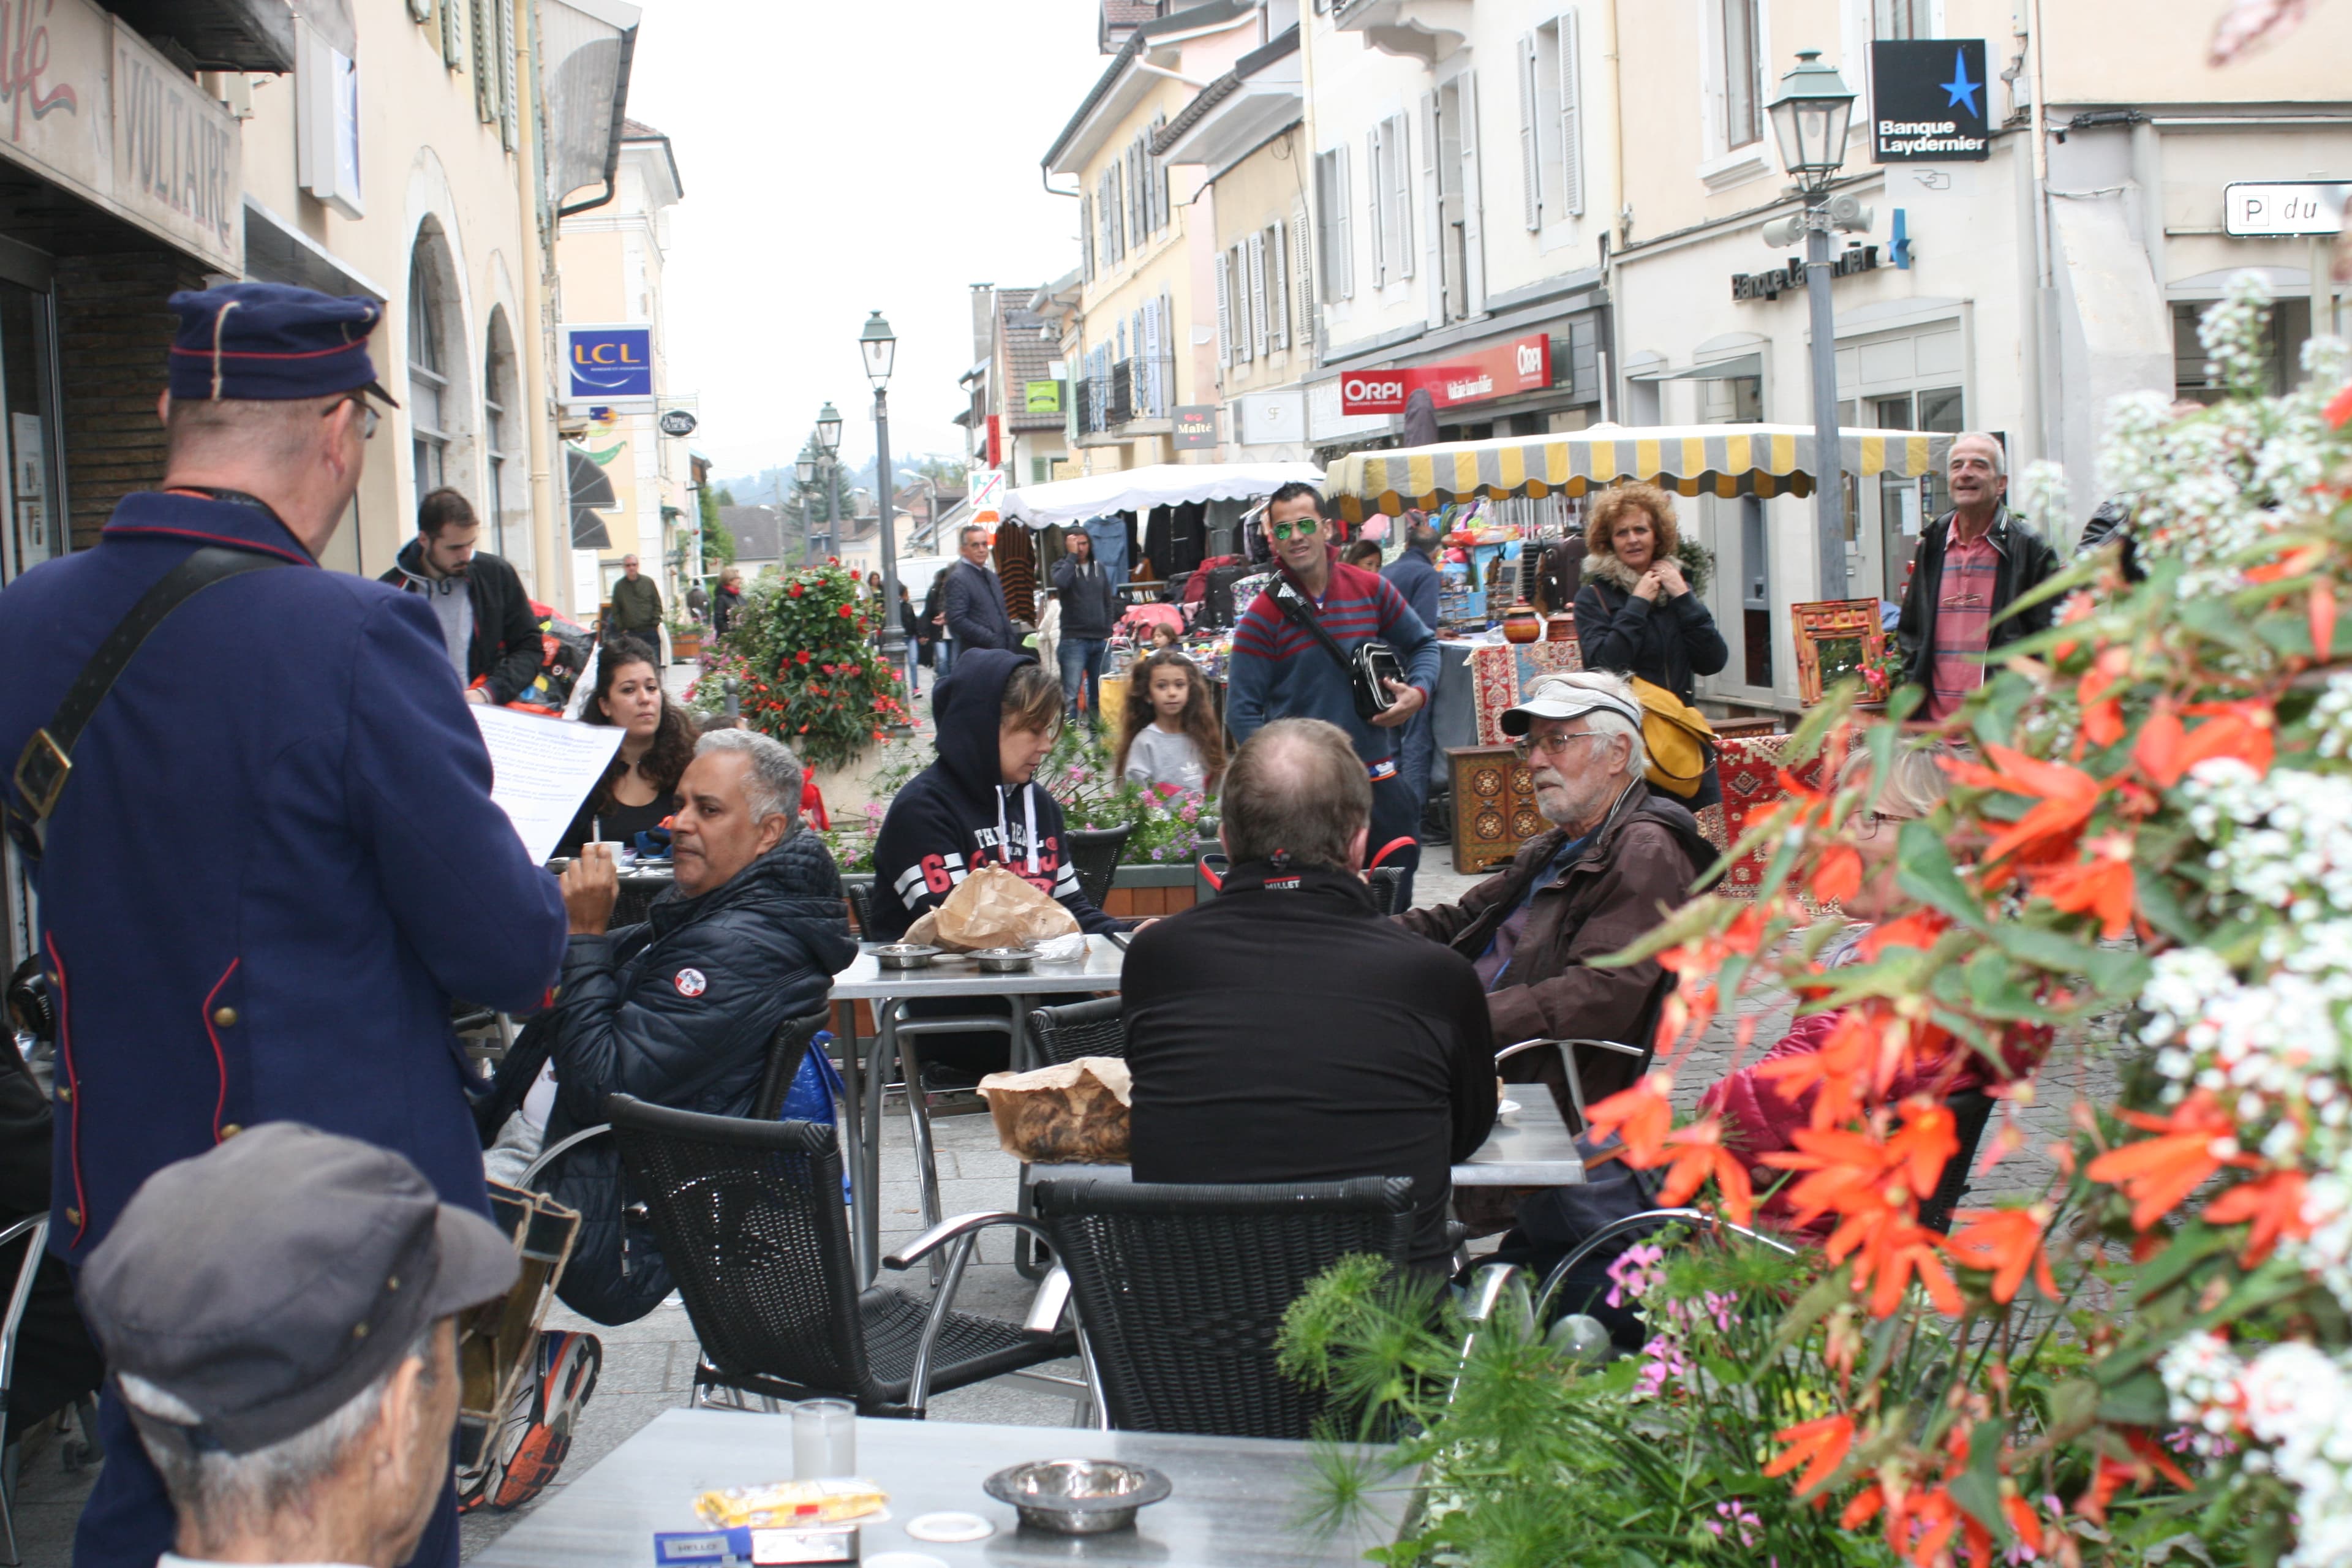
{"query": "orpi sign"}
[(1523, 364)]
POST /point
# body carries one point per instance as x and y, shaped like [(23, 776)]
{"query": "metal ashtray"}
[(1078, 1497), (1005, 960), (904, 955)]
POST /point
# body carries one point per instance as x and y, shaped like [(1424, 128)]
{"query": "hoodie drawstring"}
[(1029, 813)]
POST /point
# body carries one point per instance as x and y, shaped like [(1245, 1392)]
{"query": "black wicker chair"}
[(1094, 855), (1384, 880), (1096, 1028), (754, 1229), (860, 895), (1181, 1289)]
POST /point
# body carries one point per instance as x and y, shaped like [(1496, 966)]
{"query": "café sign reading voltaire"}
[(89, 105)]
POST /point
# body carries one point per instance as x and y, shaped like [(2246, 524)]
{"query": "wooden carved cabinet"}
[(1493, 805)]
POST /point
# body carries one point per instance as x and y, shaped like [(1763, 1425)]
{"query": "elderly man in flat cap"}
[(277, 1317), (260, 816)]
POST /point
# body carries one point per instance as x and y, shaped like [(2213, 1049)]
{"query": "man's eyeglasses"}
[(1867, 823), (1528, 746), (369, 417), (1302, 528)]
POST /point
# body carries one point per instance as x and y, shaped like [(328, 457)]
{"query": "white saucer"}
[(950, 1527)]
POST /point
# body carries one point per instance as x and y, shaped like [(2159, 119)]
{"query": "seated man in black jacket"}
[(1283, 1032)]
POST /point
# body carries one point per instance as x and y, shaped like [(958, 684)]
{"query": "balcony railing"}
[(1137, 388)]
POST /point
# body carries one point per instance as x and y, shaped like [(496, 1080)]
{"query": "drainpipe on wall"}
[(551, 517), (2047, 349), (1611, 266)]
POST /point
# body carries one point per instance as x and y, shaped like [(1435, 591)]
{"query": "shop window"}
[(509, 517), (1902, 19), (1740, 70), (2290, 325), (439, 419)]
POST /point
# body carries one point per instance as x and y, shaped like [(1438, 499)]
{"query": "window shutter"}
[(1400, 191), (1224, 312), (1346, 246), (1277, 291), (1571, 115), (1530, 152), (453, 34), (1086, 238), (1157, 322), (509, 95), (1379, 231), (1301, 257), (486, 68), (1257, 294), (1432, 204), (1156, 177), (1474, 238)]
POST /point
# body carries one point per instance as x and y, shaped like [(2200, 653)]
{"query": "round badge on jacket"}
[(690, 982)]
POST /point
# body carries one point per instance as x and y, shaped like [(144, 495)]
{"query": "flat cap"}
[(272, 343), (265, 1282)]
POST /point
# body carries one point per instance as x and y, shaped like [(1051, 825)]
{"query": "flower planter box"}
[(686, 646), (1138, 892)]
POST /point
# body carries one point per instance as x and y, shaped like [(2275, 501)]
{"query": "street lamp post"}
[(828, 436), (1809, 122), (805, 470), (880, 347)]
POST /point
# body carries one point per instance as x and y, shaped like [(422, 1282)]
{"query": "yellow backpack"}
[(1678, 739)]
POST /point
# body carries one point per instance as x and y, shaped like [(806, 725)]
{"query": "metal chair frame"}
[(1045, 1025), (1567, 1060), (36, 1227)]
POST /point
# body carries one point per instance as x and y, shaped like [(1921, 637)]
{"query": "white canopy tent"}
[(1141, 489)]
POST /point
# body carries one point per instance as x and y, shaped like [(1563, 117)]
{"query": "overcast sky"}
[(842, 156)]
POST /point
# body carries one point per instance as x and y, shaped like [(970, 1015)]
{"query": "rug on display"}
[(1501, 672), (1750, 769)]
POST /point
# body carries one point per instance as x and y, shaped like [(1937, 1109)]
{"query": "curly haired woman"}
[(1636, 613)]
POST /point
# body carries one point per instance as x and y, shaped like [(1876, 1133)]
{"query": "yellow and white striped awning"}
[(1694, 460)]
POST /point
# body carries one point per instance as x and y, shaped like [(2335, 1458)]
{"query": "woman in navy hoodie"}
[(979, 805)]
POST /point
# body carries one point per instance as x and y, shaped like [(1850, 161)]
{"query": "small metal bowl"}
[(1005, 960), (1078, 1497), (904, 955)]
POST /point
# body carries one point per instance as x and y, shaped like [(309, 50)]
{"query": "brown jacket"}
[(1639, 865)]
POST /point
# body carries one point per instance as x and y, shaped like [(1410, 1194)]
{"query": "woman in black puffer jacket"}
[(678, 1012)]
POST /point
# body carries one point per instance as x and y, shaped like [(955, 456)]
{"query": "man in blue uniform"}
[(274, 858)]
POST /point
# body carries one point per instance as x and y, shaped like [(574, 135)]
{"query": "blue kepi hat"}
[(270, 343)]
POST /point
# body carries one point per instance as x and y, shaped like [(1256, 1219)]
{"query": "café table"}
[(867, 1062), (1238, 1502)]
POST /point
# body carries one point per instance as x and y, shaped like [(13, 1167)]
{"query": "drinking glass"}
[(825, 1439)]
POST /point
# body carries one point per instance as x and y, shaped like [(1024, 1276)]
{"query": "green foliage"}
[(718, 543), (800, 649)]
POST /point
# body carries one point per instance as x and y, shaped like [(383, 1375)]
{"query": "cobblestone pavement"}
[(649, 1364)]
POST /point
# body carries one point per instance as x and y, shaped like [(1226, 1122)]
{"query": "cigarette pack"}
[(761, 1548)]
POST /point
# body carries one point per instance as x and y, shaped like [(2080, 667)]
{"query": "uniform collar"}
[(200, 520)]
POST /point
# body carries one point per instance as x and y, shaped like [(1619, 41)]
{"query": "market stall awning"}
[(1139, 489), (1714, 459)]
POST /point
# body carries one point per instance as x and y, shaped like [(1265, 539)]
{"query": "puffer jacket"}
[(678, 1012), (1636, 868)]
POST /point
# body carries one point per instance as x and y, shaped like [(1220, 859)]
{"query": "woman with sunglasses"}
[(1281, 670)]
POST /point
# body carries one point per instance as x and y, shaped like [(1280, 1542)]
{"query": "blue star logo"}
[(1961, 90)]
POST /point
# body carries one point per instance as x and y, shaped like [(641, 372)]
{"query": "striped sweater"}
[(1280, 671)]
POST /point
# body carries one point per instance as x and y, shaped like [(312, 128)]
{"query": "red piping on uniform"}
[(257, 353), (220, 1103), (1391, 847), (73, 1081), (230, 540)]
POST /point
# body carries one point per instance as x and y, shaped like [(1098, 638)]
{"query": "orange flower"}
[(2008, 1242), (2102, 885), (1891, 1256), (1699, 1154), (2339, 407), (2322, 612), (1925, 1143), (1840, 1166), (1917, 931), (2275, 1204), (1640, 1116), (1836, 1073), (1821, 1445), (1866, 1505), (2155, 1173), (2168, 748), (2023, 1520), (1838, 875), (2063, 800)]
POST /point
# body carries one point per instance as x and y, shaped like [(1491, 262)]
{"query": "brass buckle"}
[(41, 797)]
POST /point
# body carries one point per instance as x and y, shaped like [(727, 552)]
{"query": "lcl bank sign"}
[(1523, 364)]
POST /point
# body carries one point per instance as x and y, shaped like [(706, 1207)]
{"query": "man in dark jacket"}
[(1973, 563), (679, 1011), (485, 617), (637, 605), (974, 602), (1283, 1032), (1617, 858), (1089, 609), (1414, 575)]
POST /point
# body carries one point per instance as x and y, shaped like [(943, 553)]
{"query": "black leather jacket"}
[(2026, 561)]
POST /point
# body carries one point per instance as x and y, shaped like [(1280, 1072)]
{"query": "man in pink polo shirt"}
[(1973, 563)]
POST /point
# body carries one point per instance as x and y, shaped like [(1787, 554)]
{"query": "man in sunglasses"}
[(266, 854), (1280, 669), (1617, 855)]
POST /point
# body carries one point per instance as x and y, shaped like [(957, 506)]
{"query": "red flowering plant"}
[(801, 654), (2143, 869)]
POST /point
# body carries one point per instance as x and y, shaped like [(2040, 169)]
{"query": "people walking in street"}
[(937, 645), (698, 603), (1973, 563), (486, 616), (637, 605), (727, 601), (260, 911), (911, 627), (1089, 602), (1281, 668), (974, 603), (1414, 575)]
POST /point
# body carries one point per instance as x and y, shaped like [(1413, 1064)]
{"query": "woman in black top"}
[(640, 789), (1636, 615)]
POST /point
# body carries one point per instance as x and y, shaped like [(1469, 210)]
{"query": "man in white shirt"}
[(278, 1315)]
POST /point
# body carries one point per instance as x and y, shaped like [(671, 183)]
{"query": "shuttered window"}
[(1255, 247), (1302, 263), (1225, 310), (1277, 295), (1551, 122), (1331, 198)]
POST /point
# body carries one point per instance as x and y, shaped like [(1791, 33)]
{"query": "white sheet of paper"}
[(541, 769)]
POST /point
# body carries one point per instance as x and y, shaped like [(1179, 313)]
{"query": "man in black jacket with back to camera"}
[(1285, 1031), (485, 616)]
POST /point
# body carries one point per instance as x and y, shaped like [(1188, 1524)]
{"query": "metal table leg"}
[(855, 1143), (879, 1060)]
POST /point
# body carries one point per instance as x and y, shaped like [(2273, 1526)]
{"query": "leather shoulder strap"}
[(1293, 605), (46, 762)]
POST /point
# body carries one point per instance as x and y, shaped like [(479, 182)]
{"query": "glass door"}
[(35, 527)]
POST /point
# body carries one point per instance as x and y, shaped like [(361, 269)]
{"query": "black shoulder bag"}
[(1373, 665), (45, 764)]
